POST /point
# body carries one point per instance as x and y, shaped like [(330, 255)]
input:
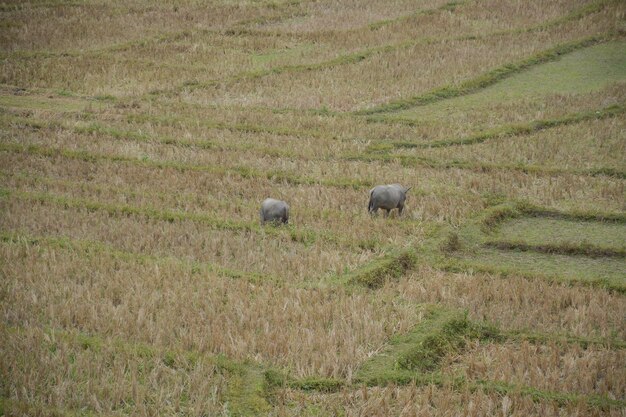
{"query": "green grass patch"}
[(177, 121), (569, 76), (575, 68), (547, 230), (578, 248), (246, 394), (450, 338), (374, 274), (526, 240), (418, 353), (604, 273)]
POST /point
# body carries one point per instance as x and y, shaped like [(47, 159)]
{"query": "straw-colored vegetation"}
[(137, 140)]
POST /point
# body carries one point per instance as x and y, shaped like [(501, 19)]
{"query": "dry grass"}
[(340, 207), (205, 57), (437, 185), (516, 303), (432, 20), (398, 74), (311, 332), (94, 25), (487, 114), (327, 15), (49, 372), (425, 401), (581, 146), (247, 251), (137, 140), (547, 367)]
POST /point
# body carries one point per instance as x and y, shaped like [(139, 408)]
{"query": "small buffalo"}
[(275, 211), (387, 197)]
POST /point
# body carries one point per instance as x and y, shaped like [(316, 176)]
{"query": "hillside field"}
[(139, 137)]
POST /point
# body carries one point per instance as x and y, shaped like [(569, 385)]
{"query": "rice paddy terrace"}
[(138, 138)]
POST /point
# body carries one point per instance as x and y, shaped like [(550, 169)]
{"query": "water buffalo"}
[(274, 211), (387, 197)]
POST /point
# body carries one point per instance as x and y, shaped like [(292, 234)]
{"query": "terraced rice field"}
[(137, 140)]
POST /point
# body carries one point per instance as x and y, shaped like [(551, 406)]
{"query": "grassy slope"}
[(537, 230), (579, 72), (602, 272), (568, 249)]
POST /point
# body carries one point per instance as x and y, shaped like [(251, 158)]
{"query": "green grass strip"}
[(135, 43), (96, 248), (511, 130), (586, 10), (444, 253), (602, 402), (490, 218), (277, 176), (116, 133), (27, 178), (329, 385), (563, 339), (571, 249), (304, 236), (420, 351), (392, 264), (98, 128), (374, 274), (469, 266), (414, 160), (486, 79), (246, 393), (577, 14), (599, 216)]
